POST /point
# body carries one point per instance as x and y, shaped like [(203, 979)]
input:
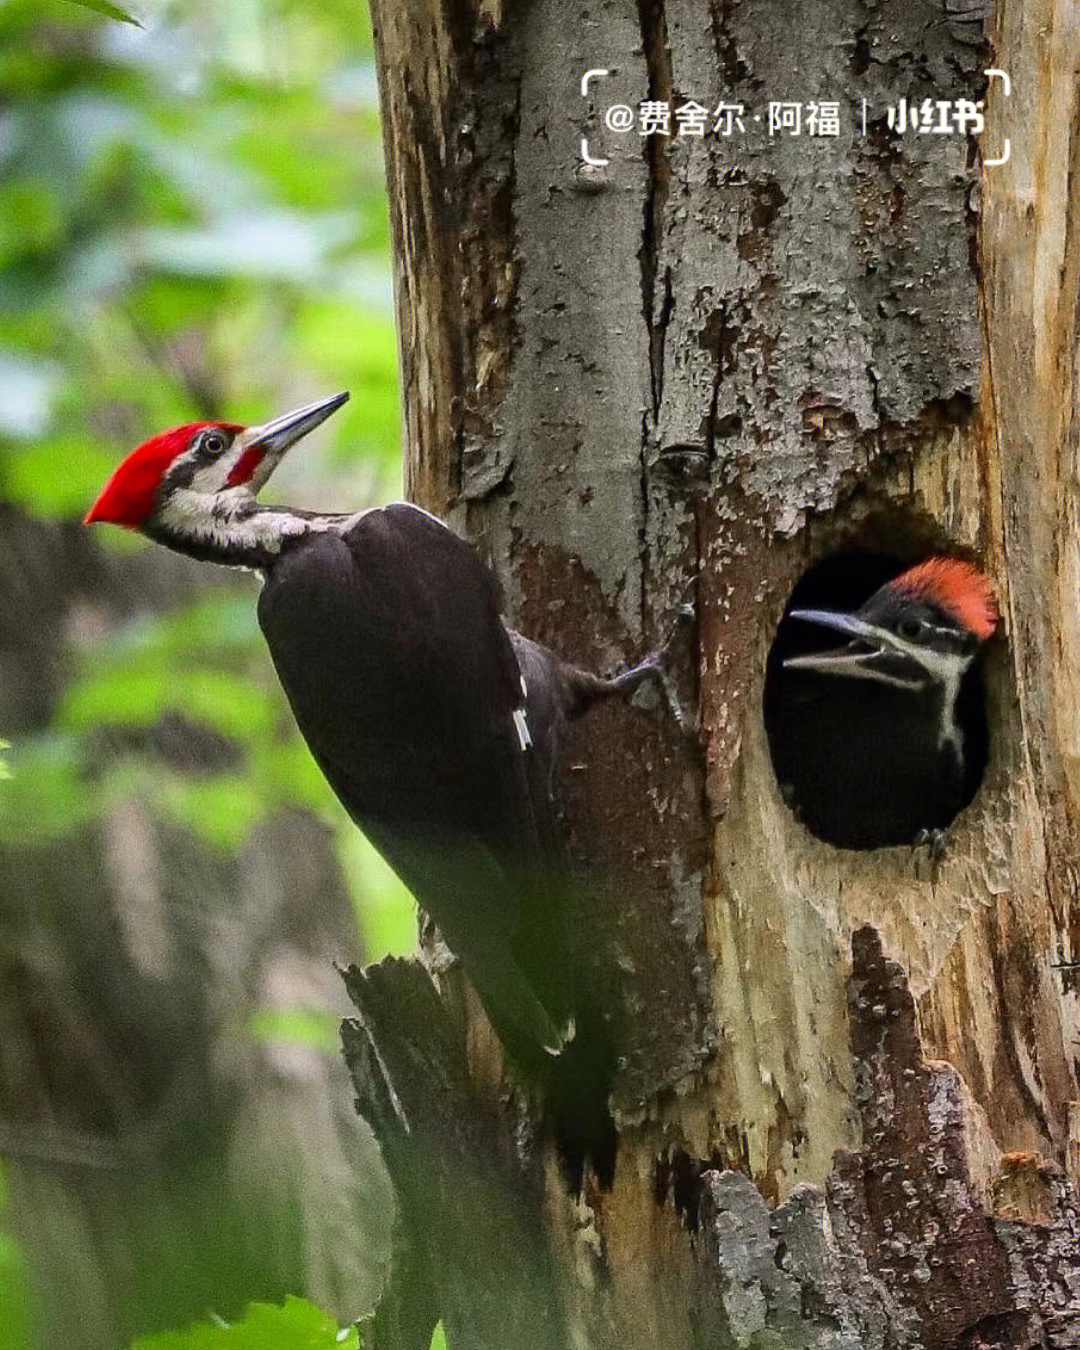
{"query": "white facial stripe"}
[(208, 479), (213, 477), (950, 732), (944, 666), (192, 515), (946, 669)]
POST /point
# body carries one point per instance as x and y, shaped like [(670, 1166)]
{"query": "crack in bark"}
[(658, 64)]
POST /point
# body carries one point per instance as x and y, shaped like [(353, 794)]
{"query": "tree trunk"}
[(846, 1100)]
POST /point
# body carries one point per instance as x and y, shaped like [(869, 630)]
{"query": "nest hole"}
[(857, 759)]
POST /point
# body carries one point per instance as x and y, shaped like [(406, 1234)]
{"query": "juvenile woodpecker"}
[(882, 741), (436, 725)]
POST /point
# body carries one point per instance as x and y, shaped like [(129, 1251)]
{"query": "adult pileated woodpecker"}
[(882, 741), (435, 724)]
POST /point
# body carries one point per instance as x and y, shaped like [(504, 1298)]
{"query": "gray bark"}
[(847, 1094)]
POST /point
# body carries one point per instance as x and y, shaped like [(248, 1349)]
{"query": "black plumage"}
[(405, 684)]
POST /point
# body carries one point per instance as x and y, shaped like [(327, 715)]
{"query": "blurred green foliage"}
[(295, 1325), (15, 1319), (299, 1026), (192, 224)]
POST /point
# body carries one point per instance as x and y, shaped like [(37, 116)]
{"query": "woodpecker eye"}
[(214, 441), (911, 628)]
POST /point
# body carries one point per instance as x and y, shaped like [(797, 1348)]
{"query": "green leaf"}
[(220, 629), (221, 809), (14, 1297), (32, 220), (296, 1325), (30, 476), (110, 11)]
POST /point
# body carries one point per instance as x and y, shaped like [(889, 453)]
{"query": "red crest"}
[(957, 587), (128, 497)]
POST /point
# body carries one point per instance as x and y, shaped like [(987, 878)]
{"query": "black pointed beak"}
[(279, 434), (868, 642)]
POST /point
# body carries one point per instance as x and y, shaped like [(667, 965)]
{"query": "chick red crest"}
[(959, 588), (128, 497)]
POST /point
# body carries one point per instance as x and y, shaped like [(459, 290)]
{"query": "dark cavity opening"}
[(863, 764)]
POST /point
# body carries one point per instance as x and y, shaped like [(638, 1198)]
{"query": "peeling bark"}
[(848, 1089)]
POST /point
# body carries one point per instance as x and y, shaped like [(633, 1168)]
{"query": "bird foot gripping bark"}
[(934, 841), (930, 847), (656, 666)]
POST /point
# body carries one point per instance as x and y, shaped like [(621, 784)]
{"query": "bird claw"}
[(934, 842), (653, 666), (656, 664), (663, 678)]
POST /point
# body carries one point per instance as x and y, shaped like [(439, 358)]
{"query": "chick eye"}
[(214, 441), (911, 628)]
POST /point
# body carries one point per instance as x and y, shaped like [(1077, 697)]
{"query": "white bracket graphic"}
[(1003, 75), (596, 73)]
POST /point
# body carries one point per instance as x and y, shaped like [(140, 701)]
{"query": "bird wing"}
[(404, 683)]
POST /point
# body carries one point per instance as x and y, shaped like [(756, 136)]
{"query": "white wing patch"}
[(521, 723)]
